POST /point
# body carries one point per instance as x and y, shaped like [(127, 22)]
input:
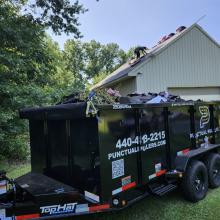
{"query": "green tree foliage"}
[(62, 82), (92, 61), (59, 15), (74, 63), (28, 75), (34, 72)]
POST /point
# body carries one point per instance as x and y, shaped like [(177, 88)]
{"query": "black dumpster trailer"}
[(84, 164)]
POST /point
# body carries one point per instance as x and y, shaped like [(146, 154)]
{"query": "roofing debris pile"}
[(110, 96), (102, 96), (150, 98), (106, 96)]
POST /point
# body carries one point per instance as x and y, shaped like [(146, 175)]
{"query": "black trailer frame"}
[(105, 162)]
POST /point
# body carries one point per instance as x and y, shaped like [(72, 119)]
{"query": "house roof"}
[(123, 71)]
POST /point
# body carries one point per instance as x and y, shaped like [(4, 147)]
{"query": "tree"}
[(113, 57), (92, 60), (74, 59), (102, 58), (62, 81), (59, 15), (28, 75), (34, 72)]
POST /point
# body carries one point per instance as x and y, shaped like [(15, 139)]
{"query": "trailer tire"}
[(195, 181), (213, 166)]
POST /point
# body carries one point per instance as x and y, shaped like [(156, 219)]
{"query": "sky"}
[(130, 23)]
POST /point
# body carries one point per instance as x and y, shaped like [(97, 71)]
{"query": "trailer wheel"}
[(195, 181), (213, 166)]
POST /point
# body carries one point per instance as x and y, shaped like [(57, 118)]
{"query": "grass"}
[(15, 170), (169, 207)]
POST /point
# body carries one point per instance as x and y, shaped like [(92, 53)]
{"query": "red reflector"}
[(161, 172), (24, 217), (128, 186), (185, 151), (99, 207)]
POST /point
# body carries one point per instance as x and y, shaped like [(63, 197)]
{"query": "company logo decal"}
[(58, 209), (205, 115)]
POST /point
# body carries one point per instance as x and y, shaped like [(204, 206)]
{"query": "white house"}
[(187, 64)]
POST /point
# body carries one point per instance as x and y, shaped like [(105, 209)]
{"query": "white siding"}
[(127, 86), (204, 93), (191, 61)]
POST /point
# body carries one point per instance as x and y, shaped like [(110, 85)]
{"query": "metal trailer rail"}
[(106, 162)]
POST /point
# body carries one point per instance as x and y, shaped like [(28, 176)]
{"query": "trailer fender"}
[(182, 161)]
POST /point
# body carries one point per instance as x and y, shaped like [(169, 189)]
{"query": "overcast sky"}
[(143, 22)]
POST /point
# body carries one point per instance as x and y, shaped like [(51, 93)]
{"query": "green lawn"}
[(169, 207), (15, 169)]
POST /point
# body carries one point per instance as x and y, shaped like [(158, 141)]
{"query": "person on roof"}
[(140, 50)]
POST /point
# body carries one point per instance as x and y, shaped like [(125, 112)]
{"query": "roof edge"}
[(133, 72), (195, 25), (208, 35), (112, 82)]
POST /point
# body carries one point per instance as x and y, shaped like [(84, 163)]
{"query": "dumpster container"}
[(114, 158)]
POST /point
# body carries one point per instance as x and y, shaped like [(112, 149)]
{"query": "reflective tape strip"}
[(99, 207), (24, 217), (159, 173), (92, 196), (128, 186), (152, 176), (182, 152), (85, 208), (82, 208), (123, 188), (158, 167), (186, 151), (116, 191)]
